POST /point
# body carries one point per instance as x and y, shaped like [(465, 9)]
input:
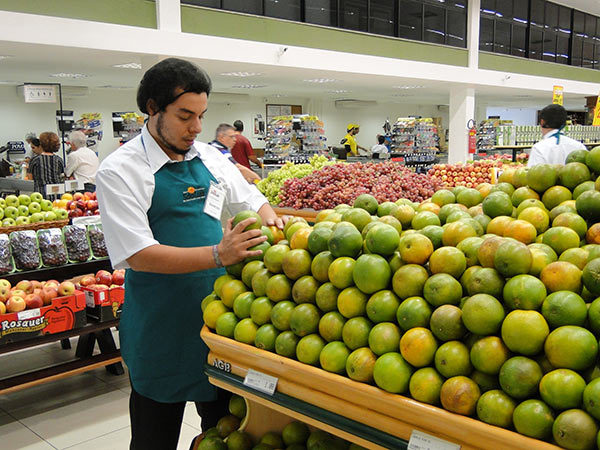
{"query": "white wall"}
[(19, 118), (519, 116)]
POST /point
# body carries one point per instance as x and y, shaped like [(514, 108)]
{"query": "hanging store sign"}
[(596, 120), (39, 93), (557, 95)]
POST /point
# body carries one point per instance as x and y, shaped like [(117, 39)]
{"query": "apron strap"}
[(558, 134)]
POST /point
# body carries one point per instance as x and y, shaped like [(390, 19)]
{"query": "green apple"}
[(22, 220), (2, 203), (10, 212), (36, 217), (49, 216), (23, 210), (34, 207), (9, 222), (1, 213), (24, 199), (12, 200), (61, 214), (36, 197), (46, 205)]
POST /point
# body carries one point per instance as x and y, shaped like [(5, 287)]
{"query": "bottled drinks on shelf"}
[(294, 138)]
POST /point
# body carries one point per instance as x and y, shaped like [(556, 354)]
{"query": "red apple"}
[(87, 195), (92, 205), (18, 293), (118, 277), (104, 277), (36, 284), (2, 308), (4, 282), (66, 288), (25, 285), (33, 301), (87, 280), (4, 294), (37, 291), (48, 294), (15, 304)]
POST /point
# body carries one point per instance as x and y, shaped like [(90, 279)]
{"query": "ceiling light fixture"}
[(320, 80), (131, 65), (241, 74), (408, 87), (69, 75), (6, 57), (339, 91), (249, 86), (110, 86)]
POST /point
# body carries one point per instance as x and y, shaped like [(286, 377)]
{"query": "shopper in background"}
[(47, 167), (161, 218), (29, 139), (554, 146), (82, 162), (379, 149), (242, 151), (225, 139), (349, 141)]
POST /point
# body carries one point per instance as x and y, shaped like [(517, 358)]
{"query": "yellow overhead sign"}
[(557, 95), (597, 113)]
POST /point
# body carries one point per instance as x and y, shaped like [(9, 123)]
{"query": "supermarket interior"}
[(425, 179)]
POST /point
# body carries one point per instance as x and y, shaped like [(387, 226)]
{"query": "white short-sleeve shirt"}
[(547, 151), (125, 186), (83, 164)]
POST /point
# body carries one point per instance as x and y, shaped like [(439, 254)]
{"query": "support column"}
[(462, 109), (168, 15), (473, 33)]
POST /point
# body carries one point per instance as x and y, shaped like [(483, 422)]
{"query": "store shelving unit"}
[(415, 142), (382, 416)]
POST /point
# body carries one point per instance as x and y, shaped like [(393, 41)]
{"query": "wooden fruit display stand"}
[(357, 412)]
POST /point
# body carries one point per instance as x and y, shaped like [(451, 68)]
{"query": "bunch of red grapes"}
[(342, 183)]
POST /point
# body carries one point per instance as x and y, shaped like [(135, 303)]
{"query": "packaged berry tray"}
[(97, 242), (78, 246), (52, 247), (25, 250), (6, 262)]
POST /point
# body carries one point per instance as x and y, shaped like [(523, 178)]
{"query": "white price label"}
[(73, 185), (261, 382), (423, 441), (55, 189), (29, 314)]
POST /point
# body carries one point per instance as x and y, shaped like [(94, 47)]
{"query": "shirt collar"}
[(550, 133), (156, 155)]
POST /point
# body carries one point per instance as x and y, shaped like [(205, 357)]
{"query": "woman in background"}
[(47, 167)]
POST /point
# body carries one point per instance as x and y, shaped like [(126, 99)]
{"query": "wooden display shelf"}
[(390, 413), (309, 214)]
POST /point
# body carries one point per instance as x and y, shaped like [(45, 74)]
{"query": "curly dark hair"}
[(162, 80), (49, 141), (554, 116)]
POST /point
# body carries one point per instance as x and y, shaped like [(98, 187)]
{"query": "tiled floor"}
[(86, 411)]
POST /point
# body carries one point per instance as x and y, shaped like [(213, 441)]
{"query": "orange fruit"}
[(304, 289), (415, 248), (503, 186), (416, 312), (360, 365), (395, 262), (564, 308), (482, 314), (285, 344), (383, 240), (320, 266), (317, 240), (230, 290), (470, 247), (542, 177), (245, 331), (488, 354), (333, 357), (331, 326), (593, 234), (591, 276), (485, 281), (326, 297), (446, 323), (273, 257), (562, 389), (296, 263), (382, 306), (242, 304), (561, 276), (434, 233), (558, 210), (457, 215), (212, 313), (404, 214), (443, 197), (279, 288), (555, 195), (469, 197), (591, 398), (524, 332), (371, 273), (384, 338), (355, 332), (392, 373), (429, 207), (281, 313), (351, 302), (300, 238), (588, 206), (289, 233), (260, 310), (448, 260), (345, 241), (366, 202), (247, 214), (265, 337), (496, 408), (534, 418), (358, 217), (460, 395), (484, 189), (446, 210), (425, 385), (392, 221), (442, 289), (340, 272), (487, 250), (536, 217), (484, 381), (291, 222), (541, 256), (573, 174), (521, 230), (320, 217), (577, 156), (512, 258), (259, 282), (521, 194), (453, 359), (524, 292), (424, 218), (520, 376), (585, 186), (456, 232), (561, 239), (575, 429), (576, 256), (520, 177), (304, 319), (295, 433), (309, 349), (571, 347), (498, 225), (418, 346), (497, 204)]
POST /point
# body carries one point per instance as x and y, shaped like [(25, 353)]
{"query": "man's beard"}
[(173, 148)]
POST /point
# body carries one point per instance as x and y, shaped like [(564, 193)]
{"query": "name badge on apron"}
[(213, 206)]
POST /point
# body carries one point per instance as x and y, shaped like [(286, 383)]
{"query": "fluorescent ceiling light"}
[(249, 86), (6, 57), (241, 74), (110, 86), (320, 80), (131, 65), (408, 87), (69, 75), (278, 95), (339, 91)]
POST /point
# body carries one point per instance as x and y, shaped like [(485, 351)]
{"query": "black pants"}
[(156, 425)]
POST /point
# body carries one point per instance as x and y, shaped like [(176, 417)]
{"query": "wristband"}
[(215, 252)]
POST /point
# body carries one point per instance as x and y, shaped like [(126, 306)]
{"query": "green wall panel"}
[(226, 24), (140, 13), (539, 68)]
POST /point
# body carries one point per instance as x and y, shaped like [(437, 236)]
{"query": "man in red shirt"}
[(242, 150)]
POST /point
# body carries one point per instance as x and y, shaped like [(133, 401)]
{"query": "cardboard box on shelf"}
[(63, 314), (103, 304)]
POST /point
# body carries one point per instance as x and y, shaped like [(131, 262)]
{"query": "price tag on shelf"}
[(29, 314), (423, 441), (261, 382), (55, 189), (73, 185)]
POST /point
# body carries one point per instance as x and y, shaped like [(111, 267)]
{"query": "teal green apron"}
[(161, 318)]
